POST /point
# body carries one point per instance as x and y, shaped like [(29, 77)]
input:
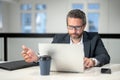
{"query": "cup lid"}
[(45, 57)]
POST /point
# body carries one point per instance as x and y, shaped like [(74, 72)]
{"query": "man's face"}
[(75, 27)]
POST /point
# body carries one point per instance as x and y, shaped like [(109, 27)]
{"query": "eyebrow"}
[(74, 26)]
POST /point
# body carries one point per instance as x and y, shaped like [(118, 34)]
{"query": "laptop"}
[(14, 65), (65, 57)]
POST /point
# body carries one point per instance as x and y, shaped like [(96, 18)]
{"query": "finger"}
[(23, 52), (25, 48), (85, 60), (91, 64), (87, 63), (28, 61), (24, 55)]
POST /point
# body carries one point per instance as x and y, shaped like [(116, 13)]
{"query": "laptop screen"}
[(65, 57)]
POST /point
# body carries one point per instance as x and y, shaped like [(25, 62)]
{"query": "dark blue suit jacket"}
[(93, 46)]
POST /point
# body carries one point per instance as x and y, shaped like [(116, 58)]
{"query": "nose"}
[(74, 30)]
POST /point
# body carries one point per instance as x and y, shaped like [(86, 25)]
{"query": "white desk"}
[(33, 73)]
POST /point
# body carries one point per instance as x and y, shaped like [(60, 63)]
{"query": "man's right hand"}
[(29, 55)]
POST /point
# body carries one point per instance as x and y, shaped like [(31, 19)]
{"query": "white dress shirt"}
[(81, 42)]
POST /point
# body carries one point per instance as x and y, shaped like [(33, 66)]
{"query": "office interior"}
[(56, 11)]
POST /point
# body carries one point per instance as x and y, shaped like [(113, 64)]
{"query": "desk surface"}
[(33, 73)]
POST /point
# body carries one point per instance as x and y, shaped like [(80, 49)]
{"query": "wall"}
[(114, 16), (56, 20), (56, 15)]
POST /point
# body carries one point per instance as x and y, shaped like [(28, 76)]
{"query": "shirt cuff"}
[(96, 61)]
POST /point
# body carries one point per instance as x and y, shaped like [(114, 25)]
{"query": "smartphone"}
[(106, 70)]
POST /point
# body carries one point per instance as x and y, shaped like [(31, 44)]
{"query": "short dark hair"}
[(76, 13)]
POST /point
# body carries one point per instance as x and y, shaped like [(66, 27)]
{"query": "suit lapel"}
[(66, 39), (86, 42)]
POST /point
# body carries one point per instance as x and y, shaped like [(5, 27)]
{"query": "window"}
[(40, 22), (33, 21), (26, 7), (40, 7), (92, 14), (93, 6), (77, 6), (93, 19), (26, 18), (40, 18), (26, 22)]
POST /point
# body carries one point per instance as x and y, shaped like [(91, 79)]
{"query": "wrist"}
[(93, 61), (36, 59), (96, 62)]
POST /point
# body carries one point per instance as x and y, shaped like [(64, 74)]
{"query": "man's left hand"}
[(88, 62)]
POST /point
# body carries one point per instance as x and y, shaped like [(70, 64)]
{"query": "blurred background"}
[(49, 16)]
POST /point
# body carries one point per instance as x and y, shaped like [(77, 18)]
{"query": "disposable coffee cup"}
[(44, 63)]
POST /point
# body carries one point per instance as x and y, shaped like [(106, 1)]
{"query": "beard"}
[(75, 36)]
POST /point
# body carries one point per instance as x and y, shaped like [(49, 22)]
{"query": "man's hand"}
[(88, 62), (29, 55)]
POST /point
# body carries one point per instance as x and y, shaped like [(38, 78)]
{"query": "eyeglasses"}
[(74, 27)]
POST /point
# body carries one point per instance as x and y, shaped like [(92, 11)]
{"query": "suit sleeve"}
[(100, 52)]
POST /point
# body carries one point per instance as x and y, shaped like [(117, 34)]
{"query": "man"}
[(95, 52)]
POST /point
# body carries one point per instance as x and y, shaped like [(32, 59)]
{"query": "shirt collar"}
[(81, 41)]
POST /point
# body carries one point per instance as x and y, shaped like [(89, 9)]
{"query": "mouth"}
[(75, 35)]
